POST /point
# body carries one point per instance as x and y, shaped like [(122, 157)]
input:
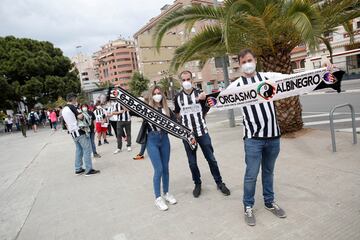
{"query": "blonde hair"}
[(163, 102)]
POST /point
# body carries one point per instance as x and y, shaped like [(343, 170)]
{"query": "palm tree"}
[(271, 28), (165, 85)]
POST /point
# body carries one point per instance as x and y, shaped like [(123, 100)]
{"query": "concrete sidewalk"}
[(41, 198)]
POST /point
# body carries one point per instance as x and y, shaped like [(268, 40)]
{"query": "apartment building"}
[(116, 62), (87, 74), (153, 64), (346, 56)]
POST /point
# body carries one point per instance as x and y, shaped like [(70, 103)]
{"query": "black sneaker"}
[(106, 142), (222, 187), (197, 190), (96, 155), (249, 216), (275, 209), (81, 171), (99, 144), (92, 172)]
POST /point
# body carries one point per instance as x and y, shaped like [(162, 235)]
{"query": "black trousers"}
[(121, 126)]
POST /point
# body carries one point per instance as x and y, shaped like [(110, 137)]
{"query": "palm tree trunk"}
[(288, 110)]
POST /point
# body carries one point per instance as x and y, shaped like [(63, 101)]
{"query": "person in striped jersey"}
[(101, 123), (261, 140), (191, 110), (123, 120)]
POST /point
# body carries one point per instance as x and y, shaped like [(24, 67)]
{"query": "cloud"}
[(69, 23)]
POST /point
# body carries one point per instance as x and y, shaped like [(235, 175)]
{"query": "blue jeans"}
[(204, 142), (83, 152), (142, 150), (260, 152), (158, 148), (92, 140)]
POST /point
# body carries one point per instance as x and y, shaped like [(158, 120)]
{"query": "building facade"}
[(116, 62), (87, 74), (346, 56), (153, 63)]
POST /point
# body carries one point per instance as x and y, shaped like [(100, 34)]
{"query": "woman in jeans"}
[(158, 148)]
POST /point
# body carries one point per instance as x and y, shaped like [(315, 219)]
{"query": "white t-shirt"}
[(70, 119)]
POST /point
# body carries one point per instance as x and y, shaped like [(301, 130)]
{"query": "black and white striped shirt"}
[(191, 111), (259, 119), (100, 114), (122, 117)]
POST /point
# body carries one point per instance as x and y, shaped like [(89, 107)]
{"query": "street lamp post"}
[(231, 114)]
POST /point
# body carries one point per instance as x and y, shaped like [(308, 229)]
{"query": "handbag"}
[(142, 135)]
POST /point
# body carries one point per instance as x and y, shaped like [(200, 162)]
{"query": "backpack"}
[(32, 117)]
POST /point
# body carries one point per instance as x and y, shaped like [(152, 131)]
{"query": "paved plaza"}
[(41, 198)]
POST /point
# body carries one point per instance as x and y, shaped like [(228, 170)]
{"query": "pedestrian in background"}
[(85, 110), (101, 123), (82, 142), (33, 119), (23, 123), (53, 119), (9, 123)]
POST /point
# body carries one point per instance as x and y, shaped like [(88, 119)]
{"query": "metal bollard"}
[(332, 129)]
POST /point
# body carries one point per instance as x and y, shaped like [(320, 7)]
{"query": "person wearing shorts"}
[(101, 124)]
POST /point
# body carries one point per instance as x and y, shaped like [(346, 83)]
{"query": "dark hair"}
[(185, 71), (85, 105), (70, 97), (245, 51)]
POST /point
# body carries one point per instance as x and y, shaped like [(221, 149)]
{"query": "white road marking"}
[(348, 130), (325, 115), (332, 92), (328, 121)]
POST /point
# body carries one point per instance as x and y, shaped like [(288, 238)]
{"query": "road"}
[(316, 108)]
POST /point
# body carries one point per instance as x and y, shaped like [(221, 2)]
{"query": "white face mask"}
[(248, 67), (157, 98), (187, 85), (84, 109)]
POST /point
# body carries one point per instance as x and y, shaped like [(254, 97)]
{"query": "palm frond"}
[(185, 16), (207, 43), (307, 21)]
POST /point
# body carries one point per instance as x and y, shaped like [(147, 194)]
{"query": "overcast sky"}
[(69, 23)]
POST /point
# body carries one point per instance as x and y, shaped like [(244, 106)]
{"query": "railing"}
[(332, 129)]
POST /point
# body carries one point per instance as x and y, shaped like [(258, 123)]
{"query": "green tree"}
[(165, 85), (138, 84), (271, 28), (35, 69)]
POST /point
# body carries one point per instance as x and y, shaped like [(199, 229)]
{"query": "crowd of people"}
[(261, 138), (90, 123), (35, 118)]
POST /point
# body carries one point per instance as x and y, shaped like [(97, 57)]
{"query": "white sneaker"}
[(129, 149), (170, 198), (117, 151), (161, 205)]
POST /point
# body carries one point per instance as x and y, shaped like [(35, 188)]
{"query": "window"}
[(358, 25), (302, 63), (293, 65), (84, 73)]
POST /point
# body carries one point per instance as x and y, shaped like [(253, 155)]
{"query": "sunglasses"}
[(187, 79)]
